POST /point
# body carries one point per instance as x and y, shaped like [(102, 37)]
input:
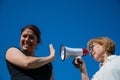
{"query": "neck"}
[(105, 57)]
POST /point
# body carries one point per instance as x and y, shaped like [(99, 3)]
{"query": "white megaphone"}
[(67, 52)]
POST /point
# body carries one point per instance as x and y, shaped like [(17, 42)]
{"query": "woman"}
[(23, 64), (102, 50)]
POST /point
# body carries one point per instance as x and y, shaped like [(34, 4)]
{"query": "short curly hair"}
[(106, 42)]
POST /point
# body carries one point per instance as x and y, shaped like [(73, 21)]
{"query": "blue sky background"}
[(68, 22)]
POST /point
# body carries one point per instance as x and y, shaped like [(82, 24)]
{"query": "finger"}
[(50, 45)]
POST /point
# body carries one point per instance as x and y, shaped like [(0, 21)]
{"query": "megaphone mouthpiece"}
[(85, 51)]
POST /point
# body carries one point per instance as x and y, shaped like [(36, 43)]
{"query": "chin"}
[(96, 59), (25, 49)]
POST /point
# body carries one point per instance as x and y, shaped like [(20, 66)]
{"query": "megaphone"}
[(66, 52)]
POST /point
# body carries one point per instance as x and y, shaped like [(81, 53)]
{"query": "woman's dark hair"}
[(35, 29)]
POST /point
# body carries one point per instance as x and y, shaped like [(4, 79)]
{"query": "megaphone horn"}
[(66, 52)]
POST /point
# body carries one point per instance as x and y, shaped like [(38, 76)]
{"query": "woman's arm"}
[(80, 64), (52, 76), (16, 57)]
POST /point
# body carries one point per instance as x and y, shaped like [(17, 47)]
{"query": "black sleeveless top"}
[(41, 73)]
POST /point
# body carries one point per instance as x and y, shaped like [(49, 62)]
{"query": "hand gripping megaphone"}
[(66, 52)]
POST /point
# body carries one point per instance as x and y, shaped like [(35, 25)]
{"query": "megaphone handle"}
[(80, 64)]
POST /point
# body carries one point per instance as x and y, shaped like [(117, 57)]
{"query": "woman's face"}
[(28, 41), (98, 52)]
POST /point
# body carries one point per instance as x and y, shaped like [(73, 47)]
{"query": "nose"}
[(92, 53)]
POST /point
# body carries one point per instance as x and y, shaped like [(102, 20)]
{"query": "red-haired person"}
[(102, 49)]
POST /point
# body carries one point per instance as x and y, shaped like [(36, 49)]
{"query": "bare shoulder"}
[(12, 53), (15, 56), (12, 50)]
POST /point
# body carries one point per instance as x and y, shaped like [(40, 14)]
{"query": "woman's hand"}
[(52, 51), (79, 63)]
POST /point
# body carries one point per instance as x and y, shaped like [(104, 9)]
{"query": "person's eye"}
[(24, 36), (91, 48), (31, 37)]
